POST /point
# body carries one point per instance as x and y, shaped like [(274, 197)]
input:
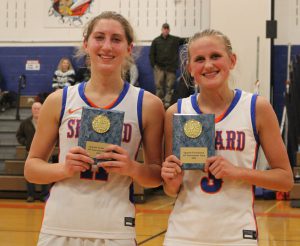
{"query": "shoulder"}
[(53, 103), (156, 39), (171, 110), (264, 112), (151, 101)]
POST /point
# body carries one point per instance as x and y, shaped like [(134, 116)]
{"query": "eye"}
[(99, 37), (116, 40), (215, 56), (199, 59)]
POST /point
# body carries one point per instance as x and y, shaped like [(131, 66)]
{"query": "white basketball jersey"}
[(219, 212), (101, 207)]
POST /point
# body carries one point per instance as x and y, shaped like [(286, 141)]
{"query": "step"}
[(27, 101), (8, 152), (21, 152), (14, 167), (9, 125), (8, 139), (11, 113), (12, 183), (295, 192)]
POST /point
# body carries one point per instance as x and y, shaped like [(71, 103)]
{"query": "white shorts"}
[(50, 240)]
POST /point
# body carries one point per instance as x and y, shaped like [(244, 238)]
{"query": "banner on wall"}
[(67, 13)]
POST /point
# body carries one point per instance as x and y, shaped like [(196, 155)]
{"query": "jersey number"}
[(101, 174), (210, 184)]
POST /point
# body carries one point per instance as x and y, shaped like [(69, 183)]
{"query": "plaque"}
[(99, 128), (193, 139)]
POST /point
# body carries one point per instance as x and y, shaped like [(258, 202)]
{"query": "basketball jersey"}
[(211, 211), (95, 208)]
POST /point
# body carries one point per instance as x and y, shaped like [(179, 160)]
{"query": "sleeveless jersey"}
[(94, 208), (219, 212)]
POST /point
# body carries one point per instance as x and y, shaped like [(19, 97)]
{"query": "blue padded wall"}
[(280, 75), (13, 60)]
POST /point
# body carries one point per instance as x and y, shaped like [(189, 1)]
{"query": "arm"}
[(279, 177), (37, 169), (147, 174), (153, 127), (171, 170)]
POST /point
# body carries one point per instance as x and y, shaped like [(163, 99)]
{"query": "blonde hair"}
[(59, 66), (185, 51)]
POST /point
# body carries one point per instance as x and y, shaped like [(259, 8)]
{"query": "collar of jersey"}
[(237, 96), (81, 89)]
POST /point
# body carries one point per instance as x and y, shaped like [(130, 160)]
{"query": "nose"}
[(208, 63), (106, 44)]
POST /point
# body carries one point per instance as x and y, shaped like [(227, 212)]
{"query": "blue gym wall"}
[(13, 60), (280, 75)]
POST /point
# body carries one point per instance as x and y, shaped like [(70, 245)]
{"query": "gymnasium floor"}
[(278, 223)]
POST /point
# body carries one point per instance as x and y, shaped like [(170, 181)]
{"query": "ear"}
[(84, 45), (188, 68), (233, 60), (130, 48)]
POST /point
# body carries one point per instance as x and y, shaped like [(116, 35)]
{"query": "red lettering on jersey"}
[(219, 141), (235, 140), (241, 140), (230, 140), (127, 131), (73, 128)]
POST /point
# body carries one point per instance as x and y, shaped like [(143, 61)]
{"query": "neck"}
[(215, 101)]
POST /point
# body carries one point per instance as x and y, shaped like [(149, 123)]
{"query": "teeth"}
[(106, 57), (210, 74)]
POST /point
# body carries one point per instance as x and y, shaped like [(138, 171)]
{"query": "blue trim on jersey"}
[(140, 109), (122, 94), (81, 88), (237, 96), (63, 105), (253, 117), (179, 105), (124, 91), (195, 103)]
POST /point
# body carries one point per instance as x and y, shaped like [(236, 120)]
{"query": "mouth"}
[(106, 57), (210, 75)]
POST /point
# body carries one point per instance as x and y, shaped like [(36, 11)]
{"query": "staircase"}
[(12, 181), (13, 155)]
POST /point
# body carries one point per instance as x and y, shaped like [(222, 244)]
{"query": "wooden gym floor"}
[(278, 223)]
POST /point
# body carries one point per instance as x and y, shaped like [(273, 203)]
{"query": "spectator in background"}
[(164, 60), (24, 136), (84, 73), (64, 75)]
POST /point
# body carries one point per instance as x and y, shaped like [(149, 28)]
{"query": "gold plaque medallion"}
[(101, 124), (192, 128)]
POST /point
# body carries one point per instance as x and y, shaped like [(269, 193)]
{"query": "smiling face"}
[(210, 62), (65, 65), (107, 46)]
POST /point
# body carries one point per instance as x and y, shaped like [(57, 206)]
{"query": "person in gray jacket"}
[(164, 61), (25, 134)]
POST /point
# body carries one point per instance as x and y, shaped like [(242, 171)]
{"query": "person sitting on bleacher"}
[(24, 136)]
